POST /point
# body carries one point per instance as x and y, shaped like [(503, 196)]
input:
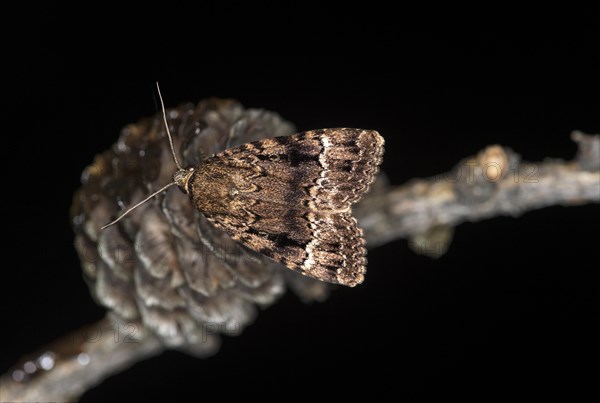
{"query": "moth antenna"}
[(162, 104), (130, 209)]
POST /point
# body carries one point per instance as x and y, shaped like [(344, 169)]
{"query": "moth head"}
[(182, 178)]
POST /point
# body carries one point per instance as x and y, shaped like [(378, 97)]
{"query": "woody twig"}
[(495, 182)]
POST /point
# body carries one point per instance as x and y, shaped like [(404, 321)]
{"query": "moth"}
[(289, 198)]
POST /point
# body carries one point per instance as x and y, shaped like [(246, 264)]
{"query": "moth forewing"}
[(290, 198)]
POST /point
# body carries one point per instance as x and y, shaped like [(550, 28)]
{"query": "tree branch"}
[(65, 369), (493, 183)]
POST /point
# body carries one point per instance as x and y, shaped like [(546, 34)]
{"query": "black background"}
[(511, 308)]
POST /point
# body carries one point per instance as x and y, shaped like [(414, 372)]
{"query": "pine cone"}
[(165, 265)]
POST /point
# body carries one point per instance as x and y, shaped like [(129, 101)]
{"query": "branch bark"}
[(65, 369), (495, 182)]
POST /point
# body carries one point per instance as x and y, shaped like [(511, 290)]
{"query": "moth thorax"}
[(182, 177)]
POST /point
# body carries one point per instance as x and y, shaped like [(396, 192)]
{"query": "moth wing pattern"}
[(290, 198), (333, 167), (328, 247)]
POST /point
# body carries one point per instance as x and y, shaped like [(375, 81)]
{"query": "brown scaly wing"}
[(289, 198)]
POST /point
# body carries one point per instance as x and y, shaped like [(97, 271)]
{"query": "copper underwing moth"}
[(289, 198)]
